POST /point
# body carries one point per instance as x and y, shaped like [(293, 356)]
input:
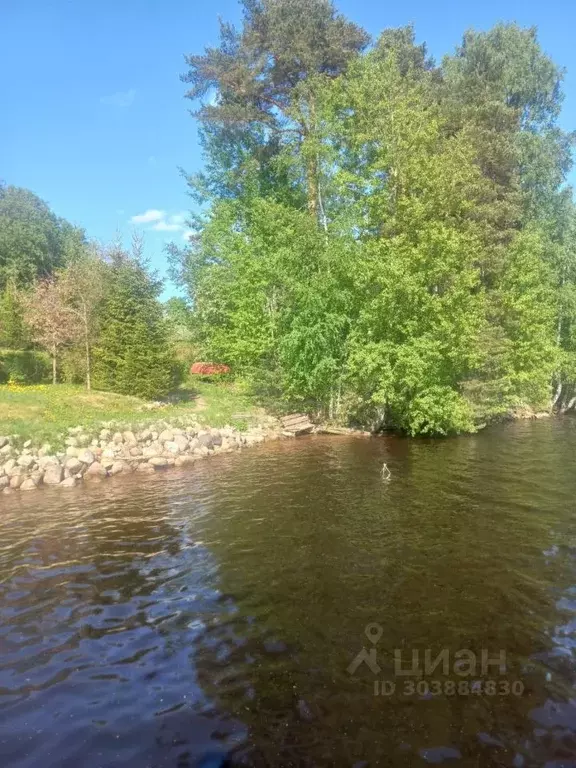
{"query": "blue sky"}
[(94, 118)]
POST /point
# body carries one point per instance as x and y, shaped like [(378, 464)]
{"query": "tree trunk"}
[(54, 364), (87, 349), (88, 366), (312, 186)]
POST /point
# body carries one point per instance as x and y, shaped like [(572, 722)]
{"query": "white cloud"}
[(167, 226), (187, 234), (121, 99), (161, 221), (148, 217)]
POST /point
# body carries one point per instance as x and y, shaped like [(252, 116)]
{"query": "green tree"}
[(13, 331), (266, 75), (33, 240), (132, 355)]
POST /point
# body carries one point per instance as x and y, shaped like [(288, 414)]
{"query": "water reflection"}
[(175, 620)]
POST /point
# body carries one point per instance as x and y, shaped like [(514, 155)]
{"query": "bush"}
[(24, 367), (72, 365)]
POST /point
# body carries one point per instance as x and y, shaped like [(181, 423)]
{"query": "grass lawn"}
[(44, 412)]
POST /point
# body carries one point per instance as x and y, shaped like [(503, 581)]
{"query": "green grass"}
[(44, 413)]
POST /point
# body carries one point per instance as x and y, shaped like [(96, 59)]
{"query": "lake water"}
[(215, 615)]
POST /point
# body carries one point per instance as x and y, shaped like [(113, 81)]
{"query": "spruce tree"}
[(133, 355)]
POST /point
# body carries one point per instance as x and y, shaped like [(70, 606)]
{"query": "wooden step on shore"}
[(296, 424)]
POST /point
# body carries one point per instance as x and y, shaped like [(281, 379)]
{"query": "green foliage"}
[(13, 331), (23, 367), (34, 242), (132, 355), (436, 286)]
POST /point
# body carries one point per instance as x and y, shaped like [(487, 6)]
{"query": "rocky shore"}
[(90, 455)]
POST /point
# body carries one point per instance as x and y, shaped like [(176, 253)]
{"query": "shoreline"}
[(90, 455), (111, 449)]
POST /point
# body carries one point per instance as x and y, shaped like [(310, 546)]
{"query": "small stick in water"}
[(386, 474)]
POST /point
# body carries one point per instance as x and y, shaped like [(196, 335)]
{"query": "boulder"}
[(4, 482), (73, 465), (28, 485), (158, 462), (25, 461), (172, 447), (95, 470), (16, 481), (205, 440), (129, 437), (69, 482), (181, 442), (72, 451), (145, 467), (53, 475), (47, 461), (118, 467), (86, 456), (152, 450), (182, 461), (3, 441), (166, 435)]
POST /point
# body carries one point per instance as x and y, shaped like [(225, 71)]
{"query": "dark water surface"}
[(212, 614)]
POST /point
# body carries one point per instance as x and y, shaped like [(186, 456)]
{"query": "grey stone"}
[(182, 461), (129, 437), (46, 461), (117, 437), (86, 456), (118, 467), (69, 482), (26, 461), (4, 481), (16, 481), (205, 440), (158, 462), (53, 475), (6, 449), (28, 485), (181, 442), (3, 441), (72, 451), (73, 465), (95, 470), (172, 447), (165, 435), (152, 450), (28, 443)]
